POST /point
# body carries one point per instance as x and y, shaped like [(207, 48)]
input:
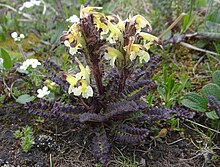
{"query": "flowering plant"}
[(108, 89), (97, 38)]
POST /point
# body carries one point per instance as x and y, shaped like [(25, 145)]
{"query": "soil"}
[(68, 145)]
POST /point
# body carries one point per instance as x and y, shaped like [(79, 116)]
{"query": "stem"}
[(203, 126), (199, 49), (15, 10), (172, 25), (98, 77), (22, 52)]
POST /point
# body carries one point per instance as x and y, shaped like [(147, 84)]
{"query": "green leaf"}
[(23, 99), (212, 115), (170, 83), (165, 74), (58, 33), (161, 91), (195, 101), (211, 90), (7, 59), (216, 77), (201, 3), (188, 20)]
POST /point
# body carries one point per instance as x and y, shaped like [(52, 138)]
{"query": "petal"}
[(70, 90), (148, 36), (78, 75), (89, 91), (33, 65), (144, 56), (67, 43), (77, 91), (132, 56), (23, 68), (73, 19), (14, 35), (72, 51), (45, 89), (22, 36), (112, 61), (72, 80), (112, 52), (40, 95)]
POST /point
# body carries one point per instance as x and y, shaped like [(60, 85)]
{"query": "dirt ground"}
[(68, 145)]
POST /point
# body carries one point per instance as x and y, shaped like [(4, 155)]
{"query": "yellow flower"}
[(85, 11), (143, 55), (84, 72), (84, 89), (135, 50), (140, 22), (100, 23), (72, 81), (72, 50), (112, 54), (115, 34), (73, 39)]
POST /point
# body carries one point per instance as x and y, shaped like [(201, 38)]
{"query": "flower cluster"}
[(16, 37), (30, 4), (29, 62), (121, 42), (118, 33)]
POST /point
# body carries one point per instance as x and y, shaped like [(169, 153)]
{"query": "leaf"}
[(201, 3), (212, 115), (211, 90), (7, 59), (58, 33), (216, 77), (194, 101), (167, 36), (170, 83), (23, 99), (188, 20), (161, 91)]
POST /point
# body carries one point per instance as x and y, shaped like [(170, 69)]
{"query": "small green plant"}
[(169, 90), (27, 138), (207, 100), (5, 66)]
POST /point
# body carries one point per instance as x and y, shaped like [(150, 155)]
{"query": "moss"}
[(12, 48)]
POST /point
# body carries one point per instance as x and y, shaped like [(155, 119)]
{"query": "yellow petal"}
[(112, 52), (141, 22), (84, 72), (143, 55), (72, 80), (84, 11), (114, 30), (148, 37)]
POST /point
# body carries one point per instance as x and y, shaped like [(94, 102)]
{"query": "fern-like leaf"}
[(101, 148), (131, 135), (121, 110), (91, 117)]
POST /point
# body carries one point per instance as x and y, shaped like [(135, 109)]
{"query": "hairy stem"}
[(98, 76)]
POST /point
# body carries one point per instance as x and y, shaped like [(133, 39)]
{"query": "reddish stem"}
[(98, 77)]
